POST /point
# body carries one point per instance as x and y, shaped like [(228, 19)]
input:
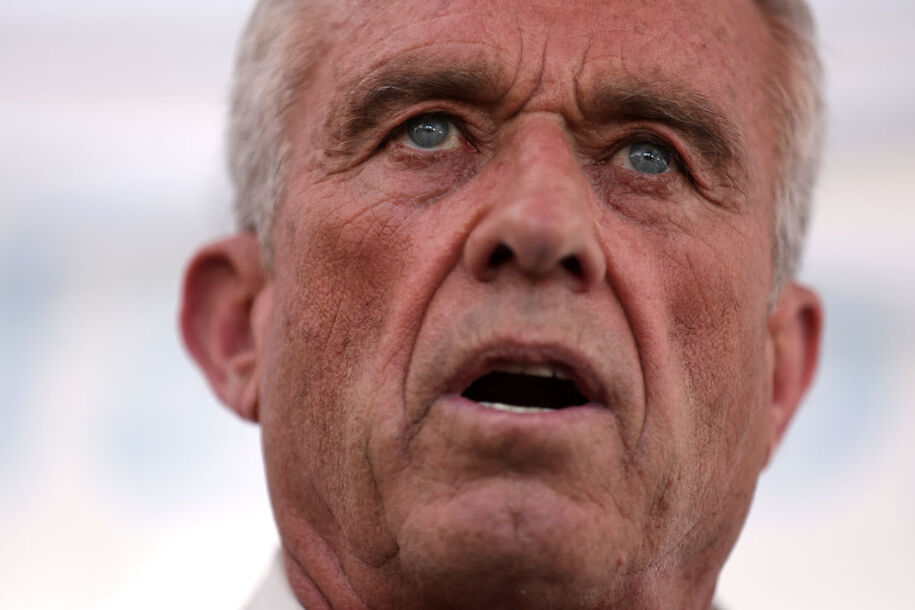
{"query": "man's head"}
[(512, 299)]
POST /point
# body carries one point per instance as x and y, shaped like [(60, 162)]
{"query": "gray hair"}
[(265, 83), (264, 86), (796, 94)]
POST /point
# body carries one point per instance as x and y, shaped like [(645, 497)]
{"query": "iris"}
[(649, 158), (428, 130)]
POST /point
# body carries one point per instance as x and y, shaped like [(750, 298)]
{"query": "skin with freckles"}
[(401, 274)]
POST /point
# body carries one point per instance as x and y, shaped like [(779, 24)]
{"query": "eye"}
[(431, 131), (647, 158)]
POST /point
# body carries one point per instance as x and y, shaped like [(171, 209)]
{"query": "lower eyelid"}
[(411, 158), (452, 143), (636, 184)]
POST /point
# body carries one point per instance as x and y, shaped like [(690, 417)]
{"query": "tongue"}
[(525, 391)]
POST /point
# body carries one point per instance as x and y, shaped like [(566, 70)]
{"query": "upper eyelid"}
[(642, 135), (678, 161), (404, 119), (453, 120)]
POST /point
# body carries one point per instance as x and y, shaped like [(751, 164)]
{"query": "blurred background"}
[(124, 484)]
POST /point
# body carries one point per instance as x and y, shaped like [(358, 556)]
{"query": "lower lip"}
[(493, 442)]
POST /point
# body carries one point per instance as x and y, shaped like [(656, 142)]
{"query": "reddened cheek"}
[(340, 266), (716, 317)]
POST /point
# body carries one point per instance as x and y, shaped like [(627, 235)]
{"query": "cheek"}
[(717, 288), (717, 293), (334, 270), (712, 296), (338, 254)]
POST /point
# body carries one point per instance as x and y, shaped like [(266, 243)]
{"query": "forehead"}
[(716, 44), (563, 57)]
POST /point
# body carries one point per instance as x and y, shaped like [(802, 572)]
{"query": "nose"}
[(539, 221)]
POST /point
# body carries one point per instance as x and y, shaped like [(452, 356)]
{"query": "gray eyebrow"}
[(365, 102)]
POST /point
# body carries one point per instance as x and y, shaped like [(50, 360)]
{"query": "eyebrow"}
[(703, 123), (366, 101)]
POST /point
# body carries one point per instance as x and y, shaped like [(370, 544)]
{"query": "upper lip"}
[(506, 356)]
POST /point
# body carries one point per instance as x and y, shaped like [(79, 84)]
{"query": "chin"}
[(512, 545)]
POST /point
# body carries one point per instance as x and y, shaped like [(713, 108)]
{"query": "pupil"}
[(428, 130), (649, 158)]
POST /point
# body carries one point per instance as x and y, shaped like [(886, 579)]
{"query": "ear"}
[(225, 306), (795, 327)]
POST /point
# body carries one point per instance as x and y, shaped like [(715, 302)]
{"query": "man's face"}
[(525, 204)]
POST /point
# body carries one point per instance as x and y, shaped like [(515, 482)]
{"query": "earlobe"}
[(795, 328), (224, 305)]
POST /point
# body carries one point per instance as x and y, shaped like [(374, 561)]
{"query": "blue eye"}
[(428, 130), (649, 158)]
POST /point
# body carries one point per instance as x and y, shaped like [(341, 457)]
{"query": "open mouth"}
[(526, 388)]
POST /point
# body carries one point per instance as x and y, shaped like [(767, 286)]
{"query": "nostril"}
[(501, 254), (572, 265)]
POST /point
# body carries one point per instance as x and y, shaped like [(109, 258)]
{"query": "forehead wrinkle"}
[(577, 90)]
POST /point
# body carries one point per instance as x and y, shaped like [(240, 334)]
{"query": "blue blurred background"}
[(123, 484)]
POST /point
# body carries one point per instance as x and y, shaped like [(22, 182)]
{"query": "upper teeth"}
[(499, 406), (532, 369)]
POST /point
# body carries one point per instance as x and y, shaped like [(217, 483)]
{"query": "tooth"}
[(498, 406), (538, 370), (532, 369)]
